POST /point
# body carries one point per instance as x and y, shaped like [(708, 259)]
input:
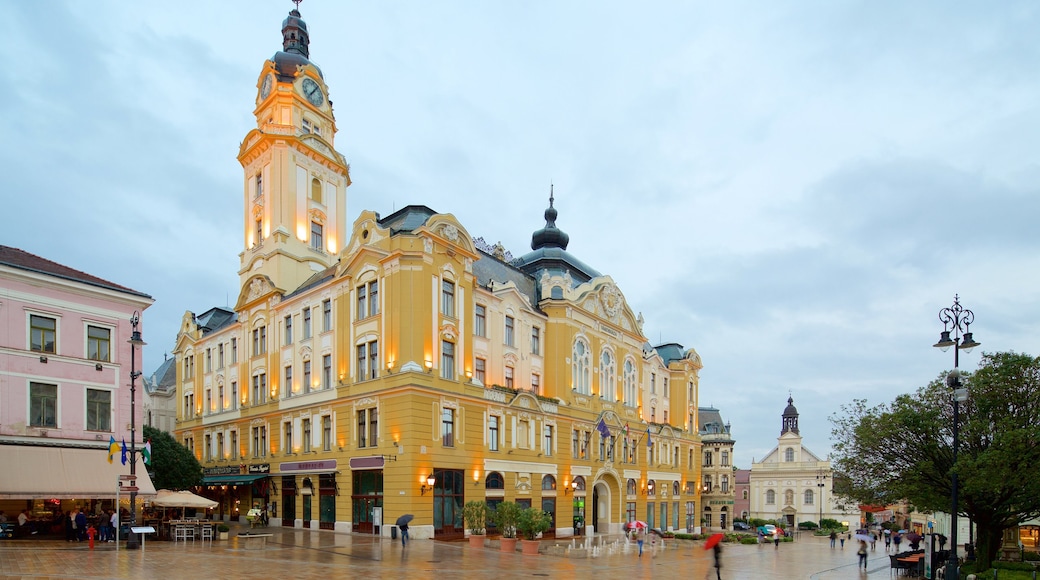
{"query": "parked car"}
[(767, 530), (741, 526)]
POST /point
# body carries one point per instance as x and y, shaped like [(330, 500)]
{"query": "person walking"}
[(873, 542), (888, 539), (717, 550), (862, 552), (834, 538), (842, 540), (639, 540), (897, 539), (404, 534), (776, 539)]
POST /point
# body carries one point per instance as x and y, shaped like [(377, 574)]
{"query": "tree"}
[(904, 451), (173, 465)]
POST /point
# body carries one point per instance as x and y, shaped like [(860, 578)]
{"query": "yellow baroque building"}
[(401, 367)]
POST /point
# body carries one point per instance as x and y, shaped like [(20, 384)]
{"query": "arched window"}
[(631, 487), (770, 497), (744, 494), (789, 497), (808, 497), (581, 373), (316, 190), (789, 454), (494, 481), (580, 480), (608, 376), (651, 488), (548, 482), (630, 383), (675, 488)]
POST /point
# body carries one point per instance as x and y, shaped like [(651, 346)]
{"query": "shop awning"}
[(32, 472), (232, 479)]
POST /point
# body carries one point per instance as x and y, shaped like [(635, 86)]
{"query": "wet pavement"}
[(321, 555)]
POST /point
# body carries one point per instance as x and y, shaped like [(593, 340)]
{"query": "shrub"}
[(532, 522), (223, 528), (506, 516), (475, 513)]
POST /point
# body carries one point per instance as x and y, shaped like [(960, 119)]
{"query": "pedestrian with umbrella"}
[(862, 552), (637, 527), (714, 543), (402, 524)]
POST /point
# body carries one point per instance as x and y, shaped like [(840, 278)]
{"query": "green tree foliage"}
[(173, 465), (904, 450)]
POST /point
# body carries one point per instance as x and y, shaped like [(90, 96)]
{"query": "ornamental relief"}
[(450, 232), (612, 299), (317, 215), (365, 402)]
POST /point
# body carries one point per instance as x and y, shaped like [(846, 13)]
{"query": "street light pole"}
[(956, 320), (820, 478), (135, 341)]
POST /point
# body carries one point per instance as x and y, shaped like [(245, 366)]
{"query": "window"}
[(770, 497), (575, 443), (220, 356), (288, 386), (509, 377), (447, 360), (259, 441), (259, 388), (326, 432), (725, 458), (789, 454), (607, 376), (234, 394), (744, 494), (326, 371), (99, 410), (259, 231), (326, 315), (651, 490), (373, 298), (367, 361), (448, 427), (220, 446), (221, 401), (43, 405), (664, 386), (259, 340), (547, 433), (368, 427), (209, 401), (580, 378), (602, 448), (209, 360), (630, 489), (448, 298), (548, 482), (306, 323), (808, 498), (653, 383), (725, 484), (42, 332), (493, 427), (707, 459), (509, 331), (536, 340), (586, 443), (208, 447), (630, 384), (480, 320), (536, 383), (480, 370), (288, 444), (306, 435), (307, 376), (288, 329), (707, 483), (234, 445), (259, 185), (99, 343), (362, 302), (316, 185), (494, 480), (234, 350)]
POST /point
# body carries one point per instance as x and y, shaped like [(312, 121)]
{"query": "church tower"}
[(790, 418), (294, 181)]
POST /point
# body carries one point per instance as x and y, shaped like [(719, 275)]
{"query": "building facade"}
[(718, 475), (64, 384), (160, 397), (792, 484), (400, 366), (742, 493)]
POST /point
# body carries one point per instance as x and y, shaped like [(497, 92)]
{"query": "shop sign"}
[(327, 465), (720, 502), (222, 470), (260, 468)]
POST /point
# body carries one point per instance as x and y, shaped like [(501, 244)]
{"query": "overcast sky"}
[(792, 188)]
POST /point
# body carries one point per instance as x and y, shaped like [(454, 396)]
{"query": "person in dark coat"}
[(81, 526), (404, 534), (717, 550)]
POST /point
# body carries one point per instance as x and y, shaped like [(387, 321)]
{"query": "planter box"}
[(507, 544), (476, 541), (530, 547)]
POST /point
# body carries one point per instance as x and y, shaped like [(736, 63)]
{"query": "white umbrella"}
[(182, 499)]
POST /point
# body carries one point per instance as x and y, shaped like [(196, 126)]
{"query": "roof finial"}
[(297, 3), (550, 194)]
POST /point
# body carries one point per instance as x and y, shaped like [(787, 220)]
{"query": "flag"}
[(603, 430), (113, 448), (649, 443), (124, 452), (625, 430), (147, 452)]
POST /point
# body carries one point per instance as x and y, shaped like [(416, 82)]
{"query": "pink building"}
[(742, 488), (64, 383)]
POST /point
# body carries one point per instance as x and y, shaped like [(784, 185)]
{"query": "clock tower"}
[(294, 181)]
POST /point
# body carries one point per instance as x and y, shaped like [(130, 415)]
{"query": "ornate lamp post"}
[(821, 477), (135, 341), (956, 320)]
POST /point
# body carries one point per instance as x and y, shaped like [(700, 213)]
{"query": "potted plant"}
[(475, 514), (222, 531), (531, 523), (506, 516)]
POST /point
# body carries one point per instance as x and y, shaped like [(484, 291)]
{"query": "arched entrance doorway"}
[(606, 517)]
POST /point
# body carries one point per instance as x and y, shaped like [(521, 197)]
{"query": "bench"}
[(255, 541)]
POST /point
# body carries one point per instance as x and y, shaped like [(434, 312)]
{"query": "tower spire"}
[(550, 235)]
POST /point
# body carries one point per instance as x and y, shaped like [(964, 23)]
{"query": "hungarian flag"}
[(124, 452), (113, 448), (146, 452), (624, 431)]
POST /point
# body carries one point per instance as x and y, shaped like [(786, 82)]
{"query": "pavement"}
[(321, 555)]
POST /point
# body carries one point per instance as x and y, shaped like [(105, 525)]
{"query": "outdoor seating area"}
[(908, 563)]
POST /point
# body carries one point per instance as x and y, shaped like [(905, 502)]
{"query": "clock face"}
[(265, 89), (312, 91)]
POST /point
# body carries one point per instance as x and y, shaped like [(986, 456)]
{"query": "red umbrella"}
[(712, 541), (636, 525)]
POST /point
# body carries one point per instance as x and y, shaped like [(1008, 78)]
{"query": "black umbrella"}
[(403, 520)]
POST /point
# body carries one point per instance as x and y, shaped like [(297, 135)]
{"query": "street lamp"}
[(821, 477), (956, 320), (135, 341)]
